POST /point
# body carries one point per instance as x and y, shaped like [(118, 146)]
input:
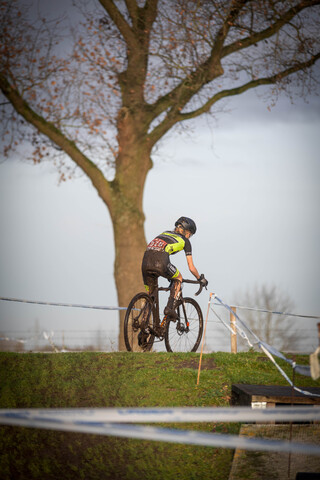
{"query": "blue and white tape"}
[(164, 415), (109, 422), (268, 349)]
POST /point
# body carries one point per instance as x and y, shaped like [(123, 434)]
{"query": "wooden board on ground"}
[(272, 395)]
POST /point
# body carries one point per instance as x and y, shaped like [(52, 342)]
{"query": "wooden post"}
[(318, 325), (233, 328)]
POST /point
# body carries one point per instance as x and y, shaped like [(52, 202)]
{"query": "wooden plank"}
[(243, 394)]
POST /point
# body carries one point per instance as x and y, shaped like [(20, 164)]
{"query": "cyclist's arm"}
[(192, 268)]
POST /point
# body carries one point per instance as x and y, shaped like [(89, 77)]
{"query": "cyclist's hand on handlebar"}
[(203, 281)]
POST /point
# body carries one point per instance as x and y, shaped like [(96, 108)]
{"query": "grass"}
[(69, 380)]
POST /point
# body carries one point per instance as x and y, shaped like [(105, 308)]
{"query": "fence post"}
[(234, 331)]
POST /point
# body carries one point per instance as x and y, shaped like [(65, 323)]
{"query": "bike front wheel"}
[(184, 334), (137, 323)]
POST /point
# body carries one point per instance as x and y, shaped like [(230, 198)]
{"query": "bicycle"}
[(143, 324)]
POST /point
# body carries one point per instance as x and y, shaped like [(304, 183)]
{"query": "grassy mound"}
[(69, 380)]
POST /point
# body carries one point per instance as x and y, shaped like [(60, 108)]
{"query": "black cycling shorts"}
[(157, 264)]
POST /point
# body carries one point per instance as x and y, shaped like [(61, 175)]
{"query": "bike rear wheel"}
[(184, 334), (138, 319)]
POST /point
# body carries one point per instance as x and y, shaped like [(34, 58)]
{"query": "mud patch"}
[(206, 364)]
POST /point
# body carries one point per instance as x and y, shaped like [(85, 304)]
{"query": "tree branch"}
[(270, 31), (204, 73), (56, 136), (248, 86), (137, 37), (149, 15), (167, 124), (132, 9), (119, 21), (234, 11)]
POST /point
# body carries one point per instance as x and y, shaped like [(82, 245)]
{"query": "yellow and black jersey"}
[(171, 243)]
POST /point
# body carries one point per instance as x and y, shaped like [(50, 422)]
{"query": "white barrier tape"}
[(164, 415), (75, 305), (266, 351), (239, 330), (302, 369), (238, 318), (176, 436), (269, 351), (304, 392)]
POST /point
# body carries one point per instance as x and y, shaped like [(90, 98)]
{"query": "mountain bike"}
[(144, 325)]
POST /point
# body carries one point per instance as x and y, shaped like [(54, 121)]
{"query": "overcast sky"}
[(251, 183)]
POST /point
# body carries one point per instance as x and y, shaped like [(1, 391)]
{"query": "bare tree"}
[(133, 71), (279, 331)]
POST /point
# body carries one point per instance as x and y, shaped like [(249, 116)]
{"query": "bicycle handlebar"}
[(195, 281)]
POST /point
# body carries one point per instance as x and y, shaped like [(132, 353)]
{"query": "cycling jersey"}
[(156, 261), (170, 242)]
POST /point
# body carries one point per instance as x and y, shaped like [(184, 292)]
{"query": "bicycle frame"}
[(156, 309), (144, 324)]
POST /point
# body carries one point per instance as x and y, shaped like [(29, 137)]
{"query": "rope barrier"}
[(274, 312), (98, 307), (101, 307), (75, 305)]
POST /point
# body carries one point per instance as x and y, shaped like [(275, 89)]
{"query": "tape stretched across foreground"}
[(101, 421), (164, 415), (174, 436)]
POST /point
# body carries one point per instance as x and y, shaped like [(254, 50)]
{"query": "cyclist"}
[(156, 260)]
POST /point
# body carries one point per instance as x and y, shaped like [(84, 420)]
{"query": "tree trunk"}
[(127, 216), (130, 245)]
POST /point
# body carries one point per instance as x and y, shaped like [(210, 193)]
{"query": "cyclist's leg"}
[(157, 264), (149, 273), (144, 271), (176, 278), (151, 283)]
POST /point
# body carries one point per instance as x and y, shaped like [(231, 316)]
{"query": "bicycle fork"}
[(183, 326)]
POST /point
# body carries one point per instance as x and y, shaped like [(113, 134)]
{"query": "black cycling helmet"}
[(187, 224)]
